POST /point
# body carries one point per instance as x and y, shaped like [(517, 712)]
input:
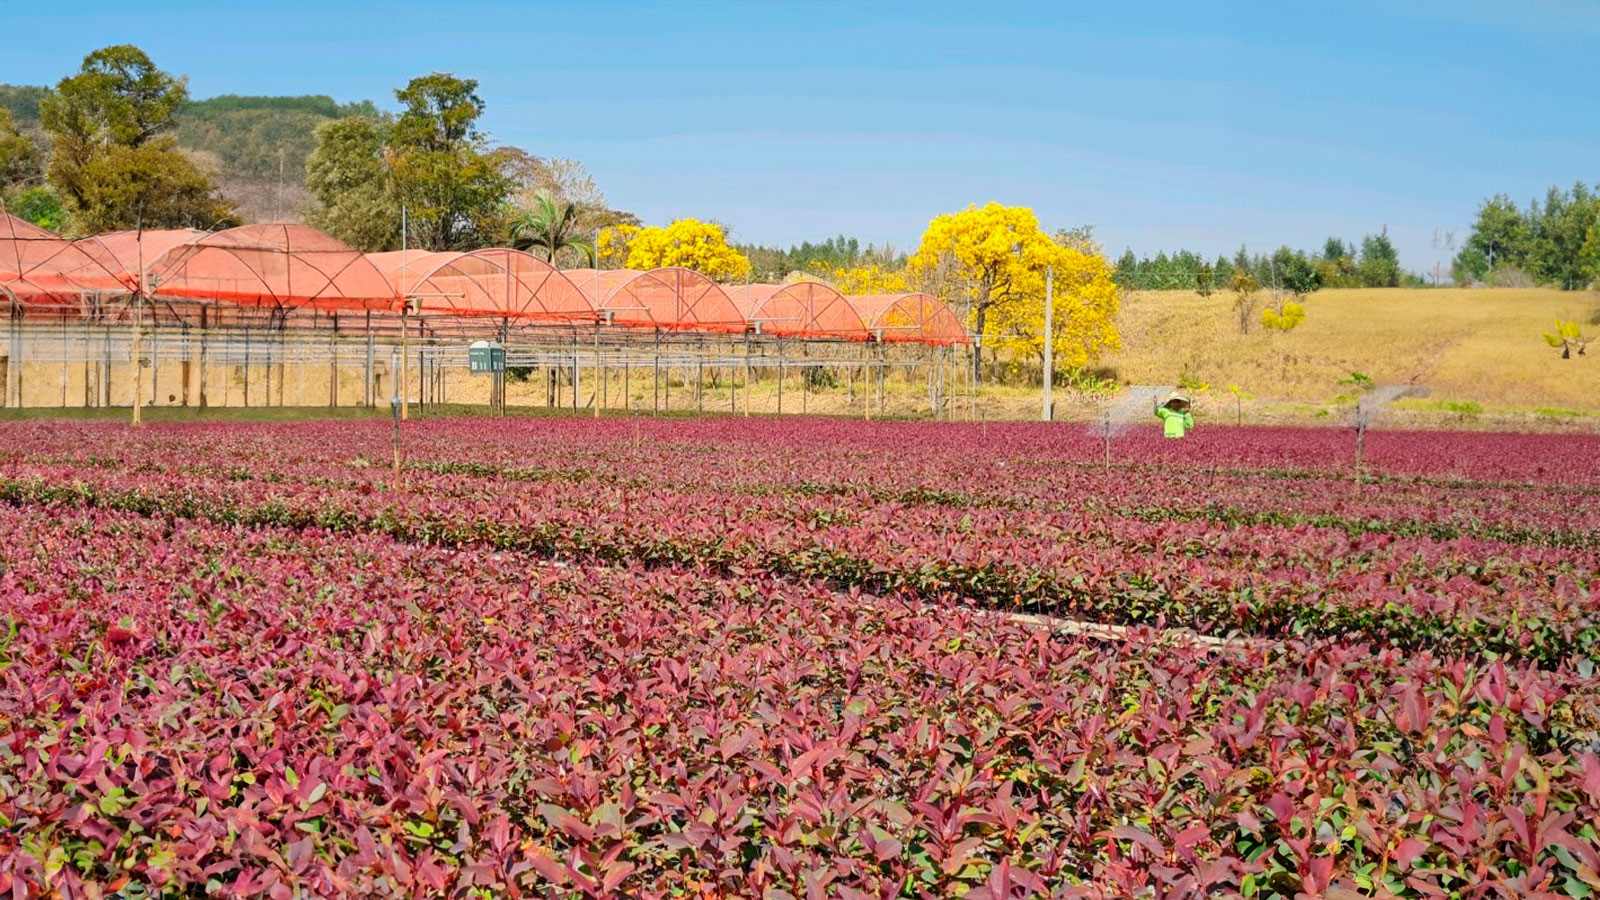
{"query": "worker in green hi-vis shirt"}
[(1176, 417)]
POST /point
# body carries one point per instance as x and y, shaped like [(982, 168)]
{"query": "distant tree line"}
[(1372, 263), (1556, 242), (772, 264)]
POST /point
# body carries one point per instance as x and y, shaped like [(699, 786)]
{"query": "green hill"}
[(257, 145)]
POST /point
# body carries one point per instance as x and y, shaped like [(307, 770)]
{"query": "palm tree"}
[(549, 226)]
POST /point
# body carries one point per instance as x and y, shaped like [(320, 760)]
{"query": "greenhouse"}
[(283, 314)]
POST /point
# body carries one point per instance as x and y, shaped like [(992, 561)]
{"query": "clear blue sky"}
[(1163, 124)]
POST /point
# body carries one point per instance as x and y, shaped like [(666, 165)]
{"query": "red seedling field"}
[(795, 659)]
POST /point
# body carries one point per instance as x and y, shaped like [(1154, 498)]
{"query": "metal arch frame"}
[(604, 303), (498, 258), (135, 280), (925, 302), (180, 257), (808, 329)]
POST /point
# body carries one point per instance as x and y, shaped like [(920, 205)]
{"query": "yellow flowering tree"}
[(690, 243), (990, 262), (869, 278), (1284, 318), (612, 245), (1084, 307)]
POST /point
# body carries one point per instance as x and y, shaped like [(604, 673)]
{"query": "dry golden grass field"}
[(1469, 346)]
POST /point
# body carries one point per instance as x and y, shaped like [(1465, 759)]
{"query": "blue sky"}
[(1164, 124)]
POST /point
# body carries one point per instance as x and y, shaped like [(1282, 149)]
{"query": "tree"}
[(41, 206), (1204, 280), (1222, 271), (1295, 272), (20, 163), (984, 258), (1245, 290), (565, 181), (150, 186), (451, 189), (869, 278), (691, 243), (1469, 266), (1127, 270), (1380, 264), (1336, 263), (1501, 237), (1284, 316), (549, 226), (1565, 248), (1084, 311), (113, 161), (613, 243), (1554, 243), (1566, 338), (349, 178)]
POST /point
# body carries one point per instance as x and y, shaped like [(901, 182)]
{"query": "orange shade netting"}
[(806, 309), (497, 282), (910, 318), (286, 266), (121, 253), (669, 298), (276, 265), (38, 268)]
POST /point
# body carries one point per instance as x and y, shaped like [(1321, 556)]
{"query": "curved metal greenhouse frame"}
[(910, 318), (279, 266), (805, 309), (669, 299), (497, 283)]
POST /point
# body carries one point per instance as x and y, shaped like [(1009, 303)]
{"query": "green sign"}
[(486, 358)]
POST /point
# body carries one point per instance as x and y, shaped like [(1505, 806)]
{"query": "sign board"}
[(486, 358)]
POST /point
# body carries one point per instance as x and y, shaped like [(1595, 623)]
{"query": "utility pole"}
[(1049, 342), (404, 379), (138, 326), (395, 408)]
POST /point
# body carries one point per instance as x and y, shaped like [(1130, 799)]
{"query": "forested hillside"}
[(259, 146), (256, 145)]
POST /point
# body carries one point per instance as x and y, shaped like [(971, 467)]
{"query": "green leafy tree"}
[(348, 176), (454, 192), (1204, 282), (1565, 249), (1295, 272), (1469, 266), (1380, 263), (1501, 237), (113, 159), (151, 185), (1127, 271), (39, 205), (550, 226), (1222, 271), (20, 160), (1336, 263)]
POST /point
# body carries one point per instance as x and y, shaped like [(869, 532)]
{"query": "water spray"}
[(1134, 404), (1371, 405)]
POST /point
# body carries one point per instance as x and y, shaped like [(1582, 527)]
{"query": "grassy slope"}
[(1479, 346)]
